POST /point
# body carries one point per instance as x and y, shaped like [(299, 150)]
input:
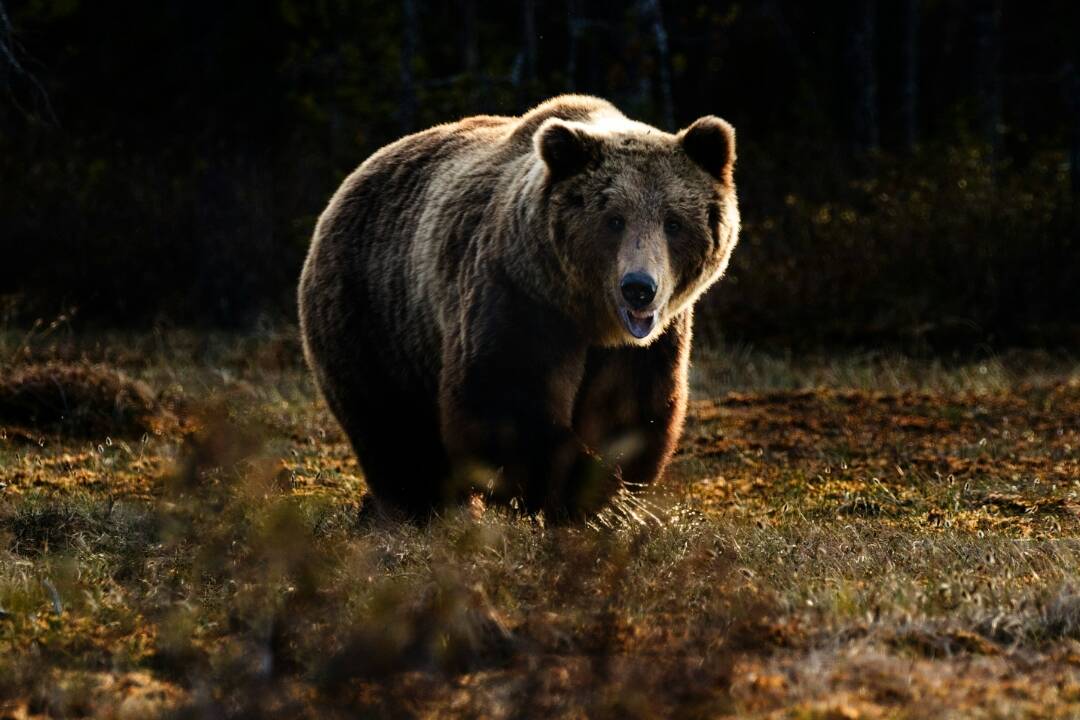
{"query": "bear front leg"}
[(632, 402), (509, 378)]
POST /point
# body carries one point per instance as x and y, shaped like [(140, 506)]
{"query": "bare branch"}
[(9, 57)]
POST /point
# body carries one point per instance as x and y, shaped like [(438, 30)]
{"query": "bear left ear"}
[(710, 143), (564, 148)]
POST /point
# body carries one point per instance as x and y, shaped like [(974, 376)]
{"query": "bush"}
[(934, 250)]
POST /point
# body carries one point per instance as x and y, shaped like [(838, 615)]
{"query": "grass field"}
[(860, 536)]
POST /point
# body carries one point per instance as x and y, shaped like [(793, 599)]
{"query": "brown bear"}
[(510, 300)]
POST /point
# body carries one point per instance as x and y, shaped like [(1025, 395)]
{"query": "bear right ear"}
[(710, 143), (564, 148)]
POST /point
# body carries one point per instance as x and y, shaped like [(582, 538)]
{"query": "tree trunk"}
[(909, 91), (863, 76), (528, 21), (987, 80), (654, 16), (1074, 153), (1072, 102), (470, 42), (410, 31), (524, 74), (575, 26)]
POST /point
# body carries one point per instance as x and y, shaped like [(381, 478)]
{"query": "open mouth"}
[(639, 322)]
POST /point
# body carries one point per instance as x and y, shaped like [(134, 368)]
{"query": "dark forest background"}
[(909, 171)]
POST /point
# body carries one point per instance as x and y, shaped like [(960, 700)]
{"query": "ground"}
[(840, 536)]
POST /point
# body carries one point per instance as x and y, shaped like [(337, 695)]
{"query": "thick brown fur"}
[(460, 302)]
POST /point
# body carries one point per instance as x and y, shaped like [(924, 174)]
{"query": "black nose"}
[(638, 288)]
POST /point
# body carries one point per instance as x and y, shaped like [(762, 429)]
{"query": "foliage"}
[(179, 168), (930, 252)]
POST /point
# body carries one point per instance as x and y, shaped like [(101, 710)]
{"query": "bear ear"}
[(710, 143), (565, 148)]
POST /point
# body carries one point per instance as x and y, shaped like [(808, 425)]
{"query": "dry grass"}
[(87, 400), (839, 537)]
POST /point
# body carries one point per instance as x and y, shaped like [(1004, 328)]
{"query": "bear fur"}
[(462, 311)]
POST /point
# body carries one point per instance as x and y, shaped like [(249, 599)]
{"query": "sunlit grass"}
[(870, 535)]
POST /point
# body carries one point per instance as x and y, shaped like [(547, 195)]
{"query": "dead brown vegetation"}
[(85, 400), (835, 539)]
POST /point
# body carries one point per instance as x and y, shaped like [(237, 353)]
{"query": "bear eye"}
[(616, 223), (672, 226)]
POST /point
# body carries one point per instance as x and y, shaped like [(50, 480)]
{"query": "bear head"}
[(641, 222)]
